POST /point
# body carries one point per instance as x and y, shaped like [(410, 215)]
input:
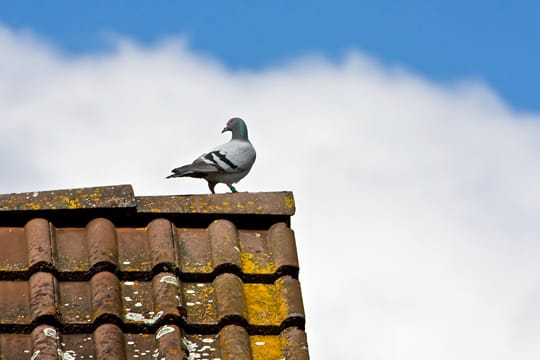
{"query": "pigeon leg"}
[(211, 186), (232, 188)]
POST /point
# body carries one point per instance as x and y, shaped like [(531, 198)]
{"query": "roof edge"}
[(101, 197), (261, 203), (123, 197)]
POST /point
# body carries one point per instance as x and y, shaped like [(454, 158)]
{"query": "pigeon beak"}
[(226, 128)]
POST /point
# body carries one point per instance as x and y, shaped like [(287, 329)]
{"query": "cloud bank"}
[(417, 202)]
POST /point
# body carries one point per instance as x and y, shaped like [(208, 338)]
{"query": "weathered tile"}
[(98, 273)]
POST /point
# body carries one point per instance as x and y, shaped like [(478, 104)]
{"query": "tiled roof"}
[(99, 273)]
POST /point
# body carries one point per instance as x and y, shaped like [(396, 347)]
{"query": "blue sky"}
[(496, 42)]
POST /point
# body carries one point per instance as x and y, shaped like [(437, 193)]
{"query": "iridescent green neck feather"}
[(239, 130)]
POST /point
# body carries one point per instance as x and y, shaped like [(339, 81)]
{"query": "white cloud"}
[(418, 203)]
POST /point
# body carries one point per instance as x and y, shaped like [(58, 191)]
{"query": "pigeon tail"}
[(181, 171), (197, 170)]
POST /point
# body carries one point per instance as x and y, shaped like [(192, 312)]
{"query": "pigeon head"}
[(238, 128)]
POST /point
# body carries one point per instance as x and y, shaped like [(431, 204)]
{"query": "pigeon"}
[(227, 163)]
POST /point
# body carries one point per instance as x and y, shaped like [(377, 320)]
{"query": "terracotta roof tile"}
[(264, 308), (169, 342), (99, 273), (78, 252)]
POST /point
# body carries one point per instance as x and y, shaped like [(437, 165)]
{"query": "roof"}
[(99, 273)]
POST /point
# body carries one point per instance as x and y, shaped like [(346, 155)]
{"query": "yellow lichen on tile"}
[(289, 202), (260, 264), (266, 347), (197, 267), (70, 203), (74, 203), (199, 301), (199, 207), (96, 195), (13, 267), (262, 304), (283, 306)]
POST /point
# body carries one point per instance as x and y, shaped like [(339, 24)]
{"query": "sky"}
[(492, 41), (409, 136)]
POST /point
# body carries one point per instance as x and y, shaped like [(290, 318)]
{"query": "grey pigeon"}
[(227, 163)]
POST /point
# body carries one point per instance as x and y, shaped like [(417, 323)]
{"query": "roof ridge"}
[(100, 197), (123, 197)]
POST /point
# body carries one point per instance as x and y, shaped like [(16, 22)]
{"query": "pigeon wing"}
[(199, 168)]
